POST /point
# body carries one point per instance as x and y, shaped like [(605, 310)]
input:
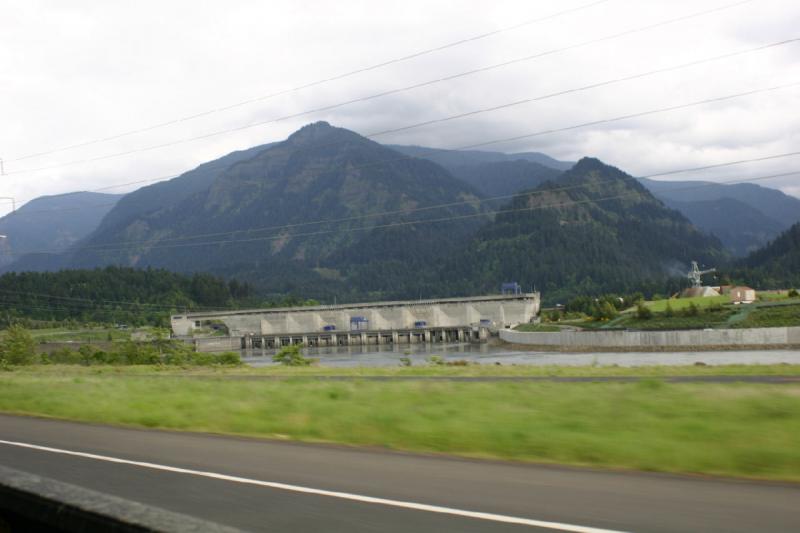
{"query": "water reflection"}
[(491, 354)]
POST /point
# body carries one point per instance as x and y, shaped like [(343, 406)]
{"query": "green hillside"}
[(604, 233)]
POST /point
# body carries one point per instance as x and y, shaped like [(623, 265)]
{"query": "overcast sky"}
[(76, 71)]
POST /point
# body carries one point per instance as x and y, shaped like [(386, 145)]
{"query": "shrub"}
[(793, 293), (668, 311), (643, 312), (291, 356), (604, 311), (692, 310), (435, 360), (229, 358), (405, 361), (18, 347)]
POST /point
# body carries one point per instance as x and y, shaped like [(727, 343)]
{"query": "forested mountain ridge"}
[(745, 216), (741, 227), (52, 223), (777, 265), (504, 178), (325, 209), (593, 230), (451, 159)]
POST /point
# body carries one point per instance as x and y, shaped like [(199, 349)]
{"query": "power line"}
[(542, 132), (460, 217), (437, 206), (329, 79), (568, 203), (441, 219), (439, 80)]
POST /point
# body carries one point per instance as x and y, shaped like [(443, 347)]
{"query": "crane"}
[(695, 274)]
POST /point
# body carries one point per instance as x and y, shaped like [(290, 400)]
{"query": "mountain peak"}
[(317, 131), (589, 164)]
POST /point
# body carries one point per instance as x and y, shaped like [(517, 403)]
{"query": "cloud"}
[(84, 70)]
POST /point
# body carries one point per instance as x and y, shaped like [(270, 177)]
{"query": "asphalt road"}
[(237, 482)]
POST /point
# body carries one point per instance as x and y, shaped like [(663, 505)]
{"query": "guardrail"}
[(32, 503)]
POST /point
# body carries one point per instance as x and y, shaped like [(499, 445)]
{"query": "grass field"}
[(80, 335), (732, 429), (538, 327), (771, 316), (413, 371), (659, 306)]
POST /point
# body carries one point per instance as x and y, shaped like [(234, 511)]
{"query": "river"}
[(494, 354)]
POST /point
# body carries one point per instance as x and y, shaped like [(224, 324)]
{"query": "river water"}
[(493, 354)]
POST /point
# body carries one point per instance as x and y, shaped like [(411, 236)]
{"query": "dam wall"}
[(439, 320), (688, 339)]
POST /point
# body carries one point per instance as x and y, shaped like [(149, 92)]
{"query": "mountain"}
[(325, 212), (741, 227), (777, 265), (744, 216), (504, 178), (776, 205), (52, 223), (595, 229), (451, 159), (153, 198)]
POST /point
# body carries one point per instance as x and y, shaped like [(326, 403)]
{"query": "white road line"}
[(320, 492)]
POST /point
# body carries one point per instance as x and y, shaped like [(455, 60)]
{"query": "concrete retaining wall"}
[(218, 344), (657, 339)]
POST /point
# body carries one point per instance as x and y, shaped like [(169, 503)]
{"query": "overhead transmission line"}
[(336, 77), (543, 132), (442, 219), (557, 205), (438, 206), (440, 80)]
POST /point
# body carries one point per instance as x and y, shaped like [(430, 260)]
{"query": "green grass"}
[(732, 429), (538, 328), (79, 335), (659, 306), (417, 370), (771, 316)]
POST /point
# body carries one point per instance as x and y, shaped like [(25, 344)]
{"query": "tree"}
[(604, 311), (18, 347), (643, 312), (692, 310), (291, 356)]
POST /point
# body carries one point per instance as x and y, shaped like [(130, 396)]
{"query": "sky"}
[(80, 71)]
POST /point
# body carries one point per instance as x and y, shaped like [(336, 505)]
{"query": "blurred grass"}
[(418, 370), (728, 429)]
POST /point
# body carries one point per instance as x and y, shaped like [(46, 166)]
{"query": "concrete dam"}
[(470, 319)]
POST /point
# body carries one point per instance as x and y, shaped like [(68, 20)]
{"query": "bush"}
[(18, 347), (668, 311), (793, 293), (229, 359), (604, 311), (291, 356), (692, 310), (643, 312), (435, 360)]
